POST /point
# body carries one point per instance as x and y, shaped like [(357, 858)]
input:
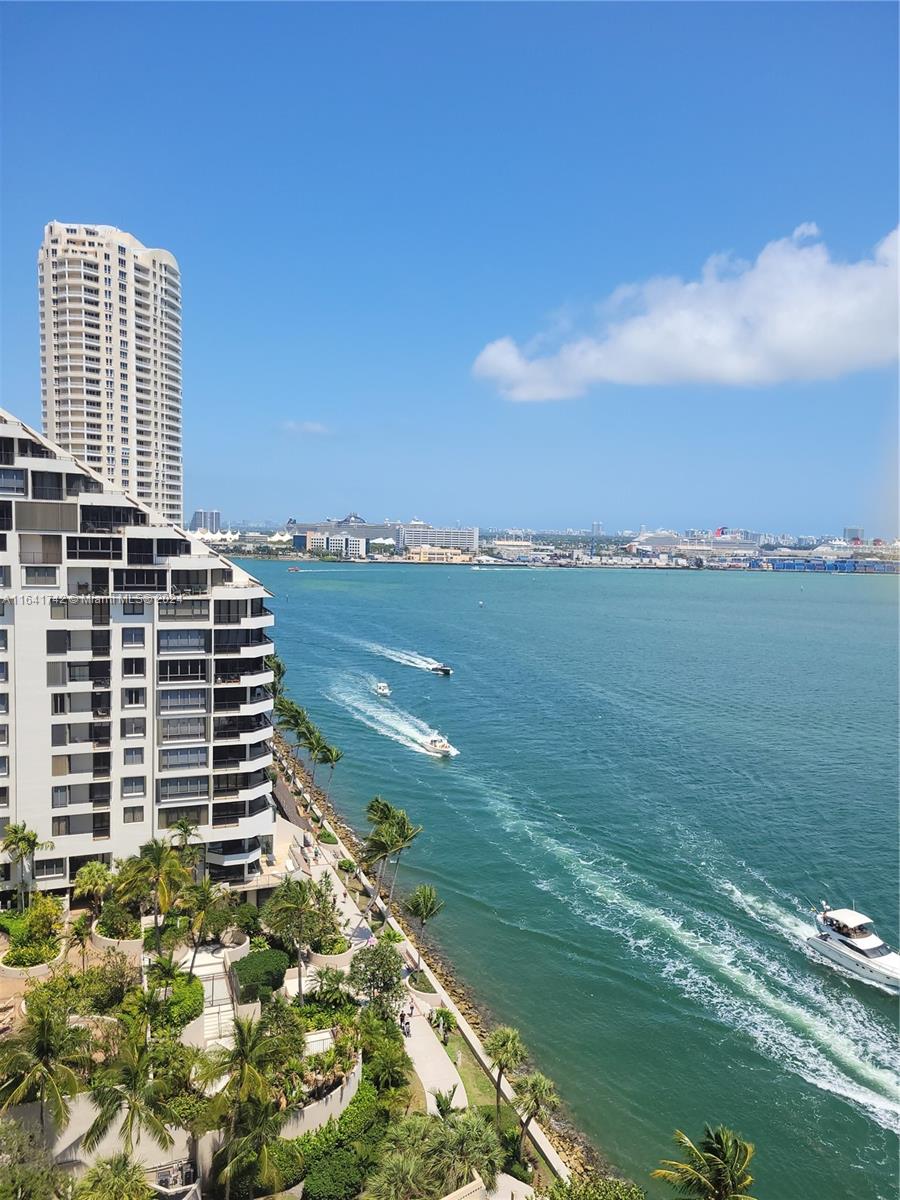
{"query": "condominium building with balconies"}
[(110, 330), (134, 687)]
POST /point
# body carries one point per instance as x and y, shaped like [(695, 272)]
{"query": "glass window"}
[(46, 868), (134, 756), (188, 756), (60, 826), (134, 697), (60, 796), (134, 666), (134, 785), (133, 608), (132, 816), (133, 636), (133, 727)]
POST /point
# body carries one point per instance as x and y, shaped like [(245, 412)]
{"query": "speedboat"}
[(441, 669), (439, 745), (382, 689), (848, 938)]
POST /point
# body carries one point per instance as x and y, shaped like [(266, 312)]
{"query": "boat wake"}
[(385, 717), (832, 1041), (406, 658)]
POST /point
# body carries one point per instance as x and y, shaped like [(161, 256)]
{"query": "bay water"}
[(659, 774)]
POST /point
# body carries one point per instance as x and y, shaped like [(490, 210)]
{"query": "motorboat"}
[(439, 745), (382, 689), (848, 938), (441, 669), (293, 570)]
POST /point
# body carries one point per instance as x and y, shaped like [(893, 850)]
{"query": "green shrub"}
[(260, 973), (332, 943), (116, 921), (29, 954), (99, 989), (347, 865), (324, 1016), (15, 927), (184, 1004), (335, 1177), (288, 1160), (246, 918), (327, 838), (362, 1118)]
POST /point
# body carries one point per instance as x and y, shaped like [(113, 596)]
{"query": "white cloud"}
[(793, 314), (308, 428)]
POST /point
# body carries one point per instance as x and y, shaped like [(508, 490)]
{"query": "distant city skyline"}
[(650, 287)]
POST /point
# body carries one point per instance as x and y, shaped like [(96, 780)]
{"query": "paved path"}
[(508, 1187), (432, 1063)]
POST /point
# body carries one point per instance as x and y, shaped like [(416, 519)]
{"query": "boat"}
[(439, 745), (382, 689), (441, 669), (293, 570), (848, 938)]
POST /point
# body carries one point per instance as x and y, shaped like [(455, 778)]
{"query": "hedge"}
[(303, 1155), (260, 973), (185, 1002), (335, 1177), (115, 921)]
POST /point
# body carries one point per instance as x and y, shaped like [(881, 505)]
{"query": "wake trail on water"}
[(833, 1043), (406, 658), (383, 716)]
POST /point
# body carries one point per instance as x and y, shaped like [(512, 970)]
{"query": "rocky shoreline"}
[(578, 1153)]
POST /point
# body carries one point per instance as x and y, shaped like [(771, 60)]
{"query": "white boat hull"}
[(863, 968)]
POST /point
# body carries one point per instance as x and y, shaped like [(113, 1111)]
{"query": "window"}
[(59, 826), (4, 703), (133, 727), (183, 729), (134, 667), (134, 697), (133, 636), (133, 608), (183, 698), (134, 756), (60, 796), (3, 634), (132, 816), (47, 868), (39, 576), (57, 703), (134, 785), (100, 825), (171, 789), (4, 672), (189, 756), (4, 797), (4, 765), (4, 735)]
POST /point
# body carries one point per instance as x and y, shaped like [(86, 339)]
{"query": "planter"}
[(39, 970), (131, 947), (432, 999), (341, 961)]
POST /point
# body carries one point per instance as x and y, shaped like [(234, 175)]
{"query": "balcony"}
[(238, 851)]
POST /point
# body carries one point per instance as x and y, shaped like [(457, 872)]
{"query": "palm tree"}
[(259, 1125), (292, 913), (276, 665), (715, 1169), (126, 1088), (204, 900), (164, 972), (246, 1068), (80, 936), (444, 1101), (331, 987), (423, 904), (159, 869), (379, 810), (44, 1061), (390, 1066), (505, 1046), (402, 1175), (330, 757), (115, 1178), (146, 1008), (536, 1098), (184, 830), (21, 844), (467, 1143), (403, 834), (94, 879), (314, 745)]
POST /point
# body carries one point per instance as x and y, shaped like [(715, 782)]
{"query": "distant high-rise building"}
[(854, 533), (206, 518), (417, 533), (110, 320)]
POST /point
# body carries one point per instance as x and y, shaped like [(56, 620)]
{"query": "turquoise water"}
[(656, 772)]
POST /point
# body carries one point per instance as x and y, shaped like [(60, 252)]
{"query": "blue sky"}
[(364, 199)]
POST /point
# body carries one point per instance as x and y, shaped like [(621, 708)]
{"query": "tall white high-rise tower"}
[(110, 313)]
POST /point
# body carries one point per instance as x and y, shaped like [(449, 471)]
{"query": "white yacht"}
[(848, 938), (441, 669), (382, 689), (439, 745)]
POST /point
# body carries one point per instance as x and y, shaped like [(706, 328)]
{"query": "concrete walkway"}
[(508, 1187), (432, 1064)]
